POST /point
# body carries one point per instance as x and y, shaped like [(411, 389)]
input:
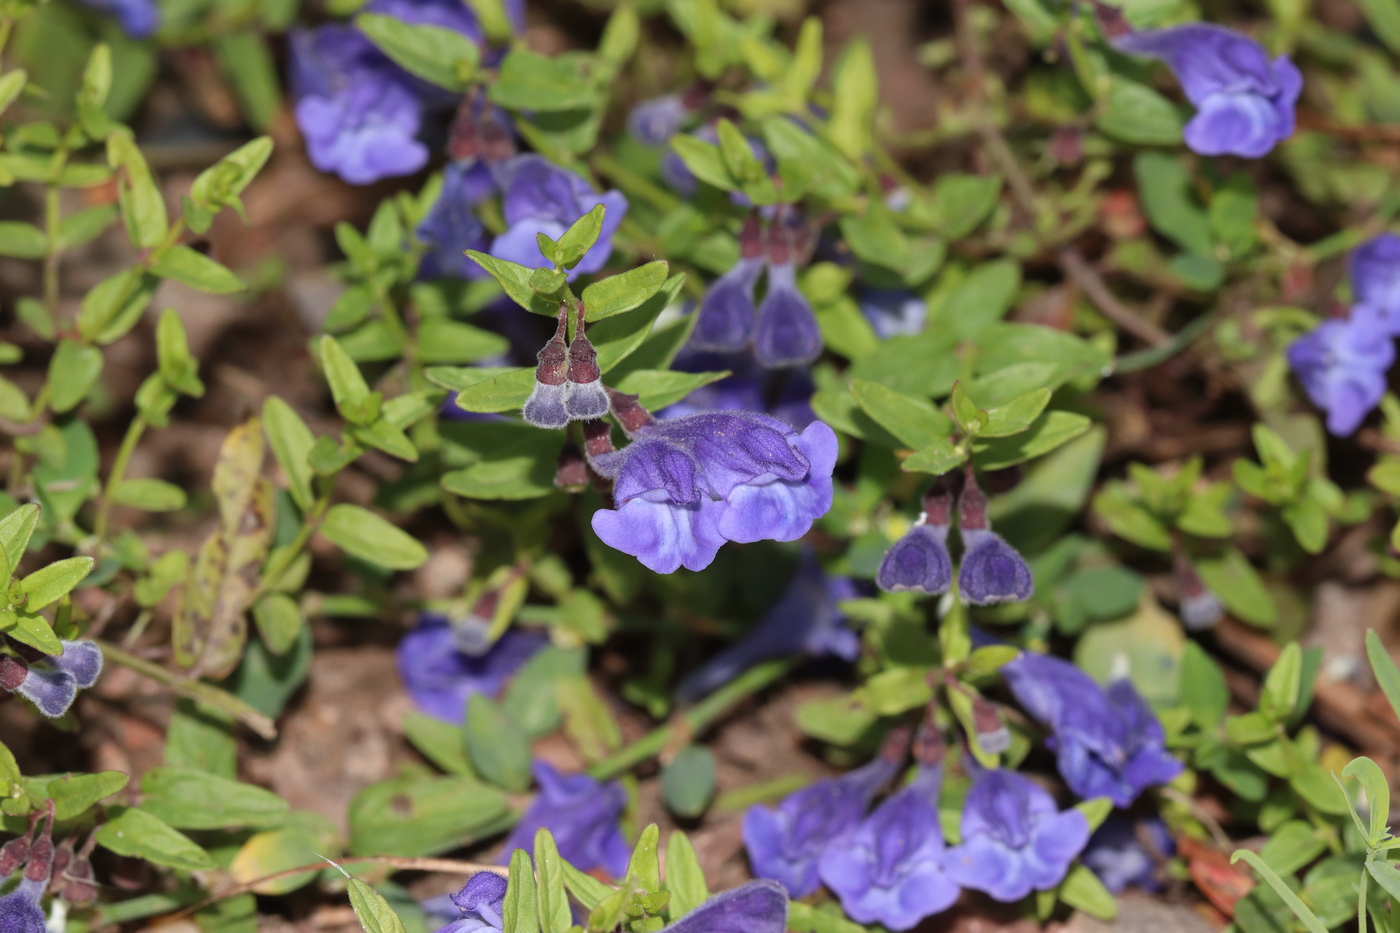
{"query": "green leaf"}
[(363, 534), (436, 54), (73, 370), (804, 918), (1083, 890), (150, 495), (22, 240), (515, 279), (499, 749), (519, 911), (15, 531), (291, 441), (348, 386), (113, 306), (526, 81), (875, 238), (1283, 684), (190, 799), (580, 237), (1129, 519), (1232, 578), (807, 163), (1301, 910), (486, 388), (248, 62), (142, 207), (72, 794), (138, 834), (279, 621), (1319, 788), (177, 367), (657, 388), (555, 915), (1386, 875), (1292, 846), (936, 459), (587, 890), (1051, 430), (85, 226), (1134, 113), (49, 584), (291, 844), (438, 741), (978, 301), (1383, 17), (644, 867), (704, 161), (1170, 201), (1016, 415), (417, 815), (1203, 690), (1377, 789), (201, 737), (11, 84), (684, 878), (441, 341), (916, 422), (619, 293), (1387, 675), (33, 630), (896, 690), (196, 270), (688, 781), (371, 909), (855, 94)]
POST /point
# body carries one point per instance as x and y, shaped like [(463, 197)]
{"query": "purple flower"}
[(893, 312), (52, 683), (356, 108), (138, 18), (991, 571), (1342, 365), (451, 227), (582, 813), (806, 620), (725, 321), (541, 197), (1014, 839), (757, 907), (1107, 743), (890, 870), (440, 675), (1375, 278), (479, 905), (918, 562), (20, 911), (1244, 102), (684, 486), (1123, 852), (787, 333), (653, 122), (784, 394), (786, 843)]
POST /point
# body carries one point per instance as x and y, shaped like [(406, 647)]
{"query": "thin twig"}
[(1087, 278), (1212, 825)]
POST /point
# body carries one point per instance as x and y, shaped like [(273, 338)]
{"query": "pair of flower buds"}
[(568, 383), (991, 572)]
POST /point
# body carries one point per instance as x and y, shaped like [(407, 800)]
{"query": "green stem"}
[(633, 183), (124, 452), (193, 689), (52, 253), (696, 719)]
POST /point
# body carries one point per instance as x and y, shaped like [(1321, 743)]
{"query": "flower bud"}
[(630, 415), (571, 473), (1200, 608), (545, 408), (917, 562), (586, 397)]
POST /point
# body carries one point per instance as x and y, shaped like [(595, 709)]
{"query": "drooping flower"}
[(452, 227), (478, 906), (806, 620), (725, 321), (52, 683), (1125, 852), (756, 907), (892, 312), (991, 571), (540, 197), (19, 910), (138, 18), (787, 333), (1014, 839), (1244, 102), (1342, 365), (441, 677), (582, 813), (918, 562), (1108, 743), (1375, 278), (684, 486), (890, 870), (786, 842)]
